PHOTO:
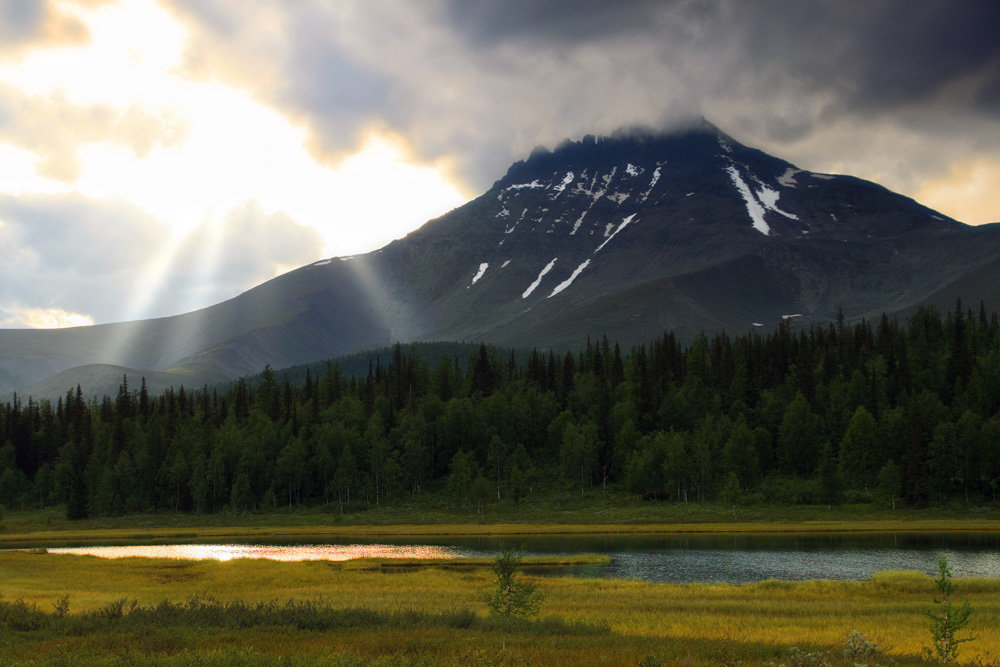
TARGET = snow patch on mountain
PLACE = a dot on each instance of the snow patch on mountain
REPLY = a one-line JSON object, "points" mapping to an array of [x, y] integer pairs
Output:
{"points": [[769, 199], [622, 226], [504, 265], [754, 208], [324, 262], [582, 189], [823, 177], [652, 182], [538, 280], [607, 178], [569, 281], [525, 186], [619, 197], [479, 274], [595, 194], [510, 229], [631, 170], [567, 179], [788, 178]]}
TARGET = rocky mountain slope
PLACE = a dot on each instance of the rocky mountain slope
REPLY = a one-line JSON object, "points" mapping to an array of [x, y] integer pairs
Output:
{"points": [[626, 235]]}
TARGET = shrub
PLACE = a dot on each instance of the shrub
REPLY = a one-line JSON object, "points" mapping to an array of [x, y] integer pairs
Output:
{"points": [[61, 607], [858, 647], [948, 621], [512, 598]]}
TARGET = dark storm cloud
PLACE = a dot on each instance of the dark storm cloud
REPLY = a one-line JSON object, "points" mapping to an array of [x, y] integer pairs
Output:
{"points": [[329, 81], [555, 21], [882, 55], [900, 91], [876, 55]]}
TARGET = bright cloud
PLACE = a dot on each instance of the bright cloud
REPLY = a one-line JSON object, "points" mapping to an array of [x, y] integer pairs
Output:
{"points": [[122, 121], [968, 192], [42, 318], [214, 147]]}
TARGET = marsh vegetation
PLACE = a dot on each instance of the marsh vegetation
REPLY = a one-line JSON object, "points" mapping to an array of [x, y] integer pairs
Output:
{"points": [[358, 612]]}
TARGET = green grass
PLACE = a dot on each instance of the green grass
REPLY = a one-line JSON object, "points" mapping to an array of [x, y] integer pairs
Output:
{"points": [[358, 613], [569, 513]]}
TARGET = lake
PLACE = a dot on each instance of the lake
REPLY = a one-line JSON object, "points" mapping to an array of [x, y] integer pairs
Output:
{"points": [[658, 558]]}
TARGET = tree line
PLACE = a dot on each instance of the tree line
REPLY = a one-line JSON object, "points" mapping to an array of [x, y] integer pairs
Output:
{"points": [[901, 412]]}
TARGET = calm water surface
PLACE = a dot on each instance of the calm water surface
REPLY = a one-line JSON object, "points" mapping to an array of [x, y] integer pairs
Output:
{"points": [[664, 558], [336, 552]]}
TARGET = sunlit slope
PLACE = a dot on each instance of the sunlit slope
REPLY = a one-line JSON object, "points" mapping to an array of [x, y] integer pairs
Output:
{"points": [[627, 236], [298, 317]]}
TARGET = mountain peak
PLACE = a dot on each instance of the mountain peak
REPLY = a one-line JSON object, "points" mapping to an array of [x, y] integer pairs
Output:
{"points": [[635, 142], [674, 129], [627, 234]]}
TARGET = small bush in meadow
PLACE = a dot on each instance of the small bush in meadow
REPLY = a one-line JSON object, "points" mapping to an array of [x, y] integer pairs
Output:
{"points": [[859, 647], [512, 597], [948, 621]]}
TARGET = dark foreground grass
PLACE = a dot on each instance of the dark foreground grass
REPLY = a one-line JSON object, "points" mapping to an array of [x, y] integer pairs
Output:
{"points": [[299, 632], [314, 615]]}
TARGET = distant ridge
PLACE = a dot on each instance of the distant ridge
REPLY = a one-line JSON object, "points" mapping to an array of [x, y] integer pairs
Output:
{"points": [[626, 235]]}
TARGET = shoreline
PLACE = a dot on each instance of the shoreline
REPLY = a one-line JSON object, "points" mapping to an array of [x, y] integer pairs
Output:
{"points": [[341, 532]]}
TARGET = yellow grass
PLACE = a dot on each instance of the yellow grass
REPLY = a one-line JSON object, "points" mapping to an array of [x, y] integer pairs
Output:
{"points": [[642, 617]]}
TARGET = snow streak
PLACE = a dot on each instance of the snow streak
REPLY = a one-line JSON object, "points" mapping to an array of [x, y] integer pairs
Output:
{"points": [[652, 182], [479, 274], [622, 226], [538, 280], [521, 186], [569, 281], [754, 208]]}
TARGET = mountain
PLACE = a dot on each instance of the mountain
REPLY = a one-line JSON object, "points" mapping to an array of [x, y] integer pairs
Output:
{"points": [[626, 235]]}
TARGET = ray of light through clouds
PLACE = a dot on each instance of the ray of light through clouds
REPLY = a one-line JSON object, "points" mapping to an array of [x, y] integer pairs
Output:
{"points": [[205, 162], [162, 155]]}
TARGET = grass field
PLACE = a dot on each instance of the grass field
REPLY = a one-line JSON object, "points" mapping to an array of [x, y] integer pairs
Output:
{"points": [[429, 613], [555, 515], [373, 613]]}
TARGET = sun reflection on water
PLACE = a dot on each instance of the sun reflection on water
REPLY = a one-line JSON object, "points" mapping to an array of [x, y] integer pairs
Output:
{"points": [[331, 552]]}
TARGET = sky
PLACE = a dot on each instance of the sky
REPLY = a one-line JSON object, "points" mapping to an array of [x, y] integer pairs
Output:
{"points": [[158, 156]]}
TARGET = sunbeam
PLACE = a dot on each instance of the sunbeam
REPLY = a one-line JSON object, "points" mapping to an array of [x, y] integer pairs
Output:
{"points": [[189, 152]]}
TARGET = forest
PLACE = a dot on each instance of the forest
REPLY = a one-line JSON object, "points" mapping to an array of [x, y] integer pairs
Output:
{"points": [[900, 413]]}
